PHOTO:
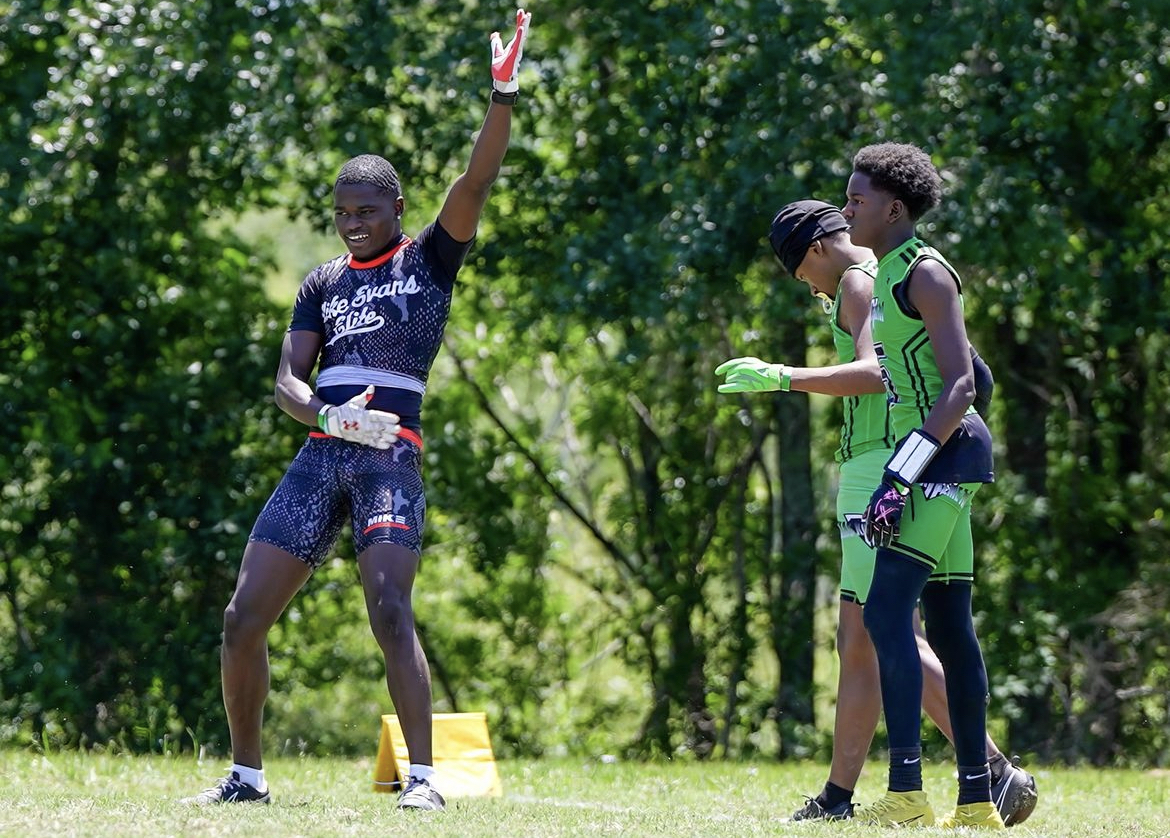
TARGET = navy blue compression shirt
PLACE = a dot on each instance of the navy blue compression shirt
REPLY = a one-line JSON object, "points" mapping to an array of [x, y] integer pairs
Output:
{"points": [[382, 321]]}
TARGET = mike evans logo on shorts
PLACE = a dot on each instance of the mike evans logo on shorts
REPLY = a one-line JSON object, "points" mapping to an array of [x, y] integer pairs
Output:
{"points": [[378, 522], [356, 315], [953, 491]]}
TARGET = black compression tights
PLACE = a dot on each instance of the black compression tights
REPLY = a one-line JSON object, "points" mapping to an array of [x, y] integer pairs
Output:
{"points": [[889, 618], [898, 584], [947, 613]]}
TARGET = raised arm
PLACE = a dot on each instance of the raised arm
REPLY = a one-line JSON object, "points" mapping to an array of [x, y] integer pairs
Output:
{"points": [[468, 194]]}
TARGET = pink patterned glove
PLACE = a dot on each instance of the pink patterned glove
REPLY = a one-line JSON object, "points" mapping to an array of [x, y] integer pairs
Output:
{"points": [[882, 517]]}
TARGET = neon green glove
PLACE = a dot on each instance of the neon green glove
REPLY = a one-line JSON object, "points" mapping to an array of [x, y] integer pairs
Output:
{"points": [[746, 375]]}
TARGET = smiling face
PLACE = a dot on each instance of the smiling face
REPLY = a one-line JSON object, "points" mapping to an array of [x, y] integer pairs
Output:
{"points": [[366, 217]]}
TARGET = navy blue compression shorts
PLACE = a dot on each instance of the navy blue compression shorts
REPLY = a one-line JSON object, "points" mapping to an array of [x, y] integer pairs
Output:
{"points": [[381, 492]]}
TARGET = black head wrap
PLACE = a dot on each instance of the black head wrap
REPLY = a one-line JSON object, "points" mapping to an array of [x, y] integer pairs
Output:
{"points": [[800, 224]]}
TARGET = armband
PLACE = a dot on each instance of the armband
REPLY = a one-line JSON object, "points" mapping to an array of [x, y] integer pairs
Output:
{"points": [[911, 458]]}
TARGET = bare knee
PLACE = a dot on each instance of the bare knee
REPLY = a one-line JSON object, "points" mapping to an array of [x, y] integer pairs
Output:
{"points": [[854, 647], [392, 618], [242, 628]]}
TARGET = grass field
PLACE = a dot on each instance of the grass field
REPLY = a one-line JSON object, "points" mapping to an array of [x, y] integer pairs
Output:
{"points": [[69, 794]]}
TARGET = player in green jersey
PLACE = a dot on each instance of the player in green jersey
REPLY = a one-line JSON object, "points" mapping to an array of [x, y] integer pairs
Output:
{"points": [[919, 517], [811, 240]]}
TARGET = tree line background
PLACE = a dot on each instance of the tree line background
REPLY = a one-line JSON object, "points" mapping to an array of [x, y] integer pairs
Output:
{"points": [[619, 559]]}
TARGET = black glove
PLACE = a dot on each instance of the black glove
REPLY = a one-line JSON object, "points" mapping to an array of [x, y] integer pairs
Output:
{"points": [[883, 515]]}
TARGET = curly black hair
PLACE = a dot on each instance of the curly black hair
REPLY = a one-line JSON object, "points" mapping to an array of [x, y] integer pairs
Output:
{"points": [[372, 169], [904, 171]]}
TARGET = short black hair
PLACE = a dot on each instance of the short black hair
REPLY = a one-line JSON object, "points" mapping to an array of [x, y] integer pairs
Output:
{"points": [[903, 170], [372, 169]]}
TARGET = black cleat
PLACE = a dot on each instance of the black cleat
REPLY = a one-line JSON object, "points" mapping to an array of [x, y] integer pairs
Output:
{"points": [[229, 790], [1015, 793], [813, 811]]}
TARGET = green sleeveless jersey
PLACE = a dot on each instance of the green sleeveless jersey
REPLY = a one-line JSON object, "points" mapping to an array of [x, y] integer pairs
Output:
{"points": [[866, 424], [909, 369]]}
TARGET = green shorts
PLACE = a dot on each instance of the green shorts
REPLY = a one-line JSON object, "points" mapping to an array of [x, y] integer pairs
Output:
{"points": [[859, 476], [935, 532]]}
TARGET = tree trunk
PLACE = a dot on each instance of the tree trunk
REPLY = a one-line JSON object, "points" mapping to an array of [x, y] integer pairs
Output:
{"points": [[795, 565]]}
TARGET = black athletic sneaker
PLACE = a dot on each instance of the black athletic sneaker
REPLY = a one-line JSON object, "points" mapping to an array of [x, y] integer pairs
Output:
{"points": [[229, 790], [1015, 794], [813, 810]]}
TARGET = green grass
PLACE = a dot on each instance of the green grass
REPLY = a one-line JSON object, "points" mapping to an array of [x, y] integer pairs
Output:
{"points": [[70, 794]]}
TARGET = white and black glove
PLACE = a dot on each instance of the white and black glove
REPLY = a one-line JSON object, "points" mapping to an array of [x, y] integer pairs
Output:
{"points": [[506, 60], [353, 422]]}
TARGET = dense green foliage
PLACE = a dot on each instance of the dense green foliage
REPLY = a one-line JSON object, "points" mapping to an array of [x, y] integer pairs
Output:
{"points": [[619, 558]]}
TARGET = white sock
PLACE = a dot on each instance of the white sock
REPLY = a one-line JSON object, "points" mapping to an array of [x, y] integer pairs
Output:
{"points": [[252, 776], [423, 772]]}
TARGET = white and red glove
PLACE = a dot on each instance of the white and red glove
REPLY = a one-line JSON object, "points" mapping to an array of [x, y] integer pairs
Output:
{"points": [[353, 422], [506, 59]]}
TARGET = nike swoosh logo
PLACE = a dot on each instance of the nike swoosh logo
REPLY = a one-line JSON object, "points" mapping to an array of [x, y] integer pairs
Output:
{"points": [[977, 776], [912, 761], [910, 820]]}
